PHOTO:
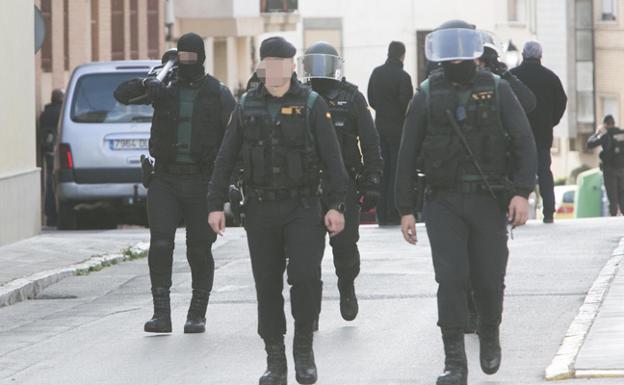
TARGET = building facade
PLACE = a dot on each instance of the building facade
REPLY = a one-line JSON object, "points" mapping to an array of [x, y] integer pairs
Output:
{"points": [[83, 31], [19, 176]]}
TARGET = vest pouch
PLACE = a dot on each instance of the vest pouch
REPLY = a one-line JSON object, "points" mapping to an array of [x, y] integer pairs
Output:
{"points": [[295, 166], [293, 131], [441, 156], [258, 166]]}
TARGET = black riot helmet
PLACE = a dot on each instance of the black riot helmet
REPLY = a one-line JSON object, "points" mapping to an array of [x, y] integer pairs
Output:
{"points": [[320, 61], [455, 40]]}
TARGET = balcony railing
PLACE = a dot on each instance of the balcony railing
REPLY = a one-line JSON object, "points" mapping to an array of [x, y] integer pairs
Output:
{"points": [[280, 6]]}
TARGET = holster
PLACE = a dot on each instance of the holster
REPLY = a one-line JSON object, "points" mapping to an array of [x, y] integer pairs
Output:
{"points": [[235, 197], [147, 171], [420, 189]]}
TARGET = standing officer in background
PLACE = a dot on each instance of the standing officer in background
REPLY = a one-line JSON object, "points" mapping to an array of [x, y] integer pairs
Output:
{"points": [[191, 112], [611, 138], [48, 121], [466, 130], [389, 93], [551, 104], [286, 137], [322, 67]]}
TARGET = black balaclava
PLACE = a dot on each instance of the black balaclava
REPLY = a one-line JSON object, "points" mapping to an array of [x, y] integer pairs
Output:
{"points": [[461, 73], [191, 42]]}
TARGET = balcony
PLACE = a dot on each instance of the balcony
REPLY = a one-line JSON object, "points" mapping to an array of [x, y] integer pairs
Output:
{"points": [[279, 15]]}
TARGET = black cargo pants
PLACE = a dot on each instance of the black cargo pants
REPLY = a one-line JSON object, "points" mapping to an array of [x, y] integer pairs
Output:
{"points": [[171, 198], [468, 237], [344, 245], [286, 235]]}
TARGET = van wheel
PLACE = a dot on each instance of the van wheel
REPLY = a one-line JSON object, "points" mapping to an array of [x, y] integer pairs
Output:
{"points": [[67, 216]]}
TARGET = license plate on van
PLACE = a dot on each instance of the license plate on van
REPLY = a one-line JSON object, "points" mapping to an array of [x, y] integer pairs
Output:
{"points": [[129, 144]]}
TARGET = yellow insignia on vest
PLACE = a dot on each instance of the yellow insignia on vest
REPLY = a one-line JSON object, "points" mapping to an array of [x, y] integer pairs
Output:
{"points": [[484, 95], [287, 110], [328, 115]]}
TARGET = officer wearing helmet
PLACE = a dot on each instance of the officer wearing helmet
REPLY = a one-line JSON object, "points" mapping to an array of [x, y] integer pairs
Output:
{"points": [[467, 132], [322, 67], [490, 61]]}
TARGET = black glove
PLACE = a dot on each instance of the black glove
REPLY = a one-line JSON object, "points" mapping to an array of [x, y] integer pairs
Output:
{"points": [[369, 187], [370, 199], [152, 86], [499, 68]]}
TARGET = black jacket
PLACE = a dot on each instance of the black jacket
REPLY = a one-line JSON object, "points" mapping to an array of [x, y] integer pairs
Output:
{"points": [[327, 148], [213, 106], [608, 143], [389, 93], [551, 100], [523, 152]]}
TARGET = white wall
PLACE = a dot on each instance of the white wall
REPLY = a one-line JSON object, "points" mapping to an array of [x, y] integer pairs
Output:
{"points": [[370, 25], [19, 176]]}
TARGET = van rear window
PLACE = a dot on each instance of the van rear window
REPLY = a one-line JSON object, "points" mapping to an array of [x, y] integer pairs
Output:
{"points": [[93, 100]]}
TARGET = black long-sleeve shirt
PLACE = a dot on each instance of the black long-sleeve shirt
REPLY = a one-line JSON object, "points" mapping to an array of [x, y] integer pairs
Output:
{"points": [[525, 96], [524, 153], [369, 138], [335, 180]]}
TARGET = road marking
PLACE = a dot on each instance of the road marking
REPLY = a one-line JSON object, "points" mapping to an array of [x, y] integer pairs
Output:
{"points": [[562, 365]]}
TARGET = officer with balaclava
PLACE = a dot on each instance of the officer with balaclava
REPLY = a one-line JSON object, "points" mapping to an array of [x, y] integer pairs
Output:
{"points": [[191, 112], [467, 132], [284, 132], [322, 67]]}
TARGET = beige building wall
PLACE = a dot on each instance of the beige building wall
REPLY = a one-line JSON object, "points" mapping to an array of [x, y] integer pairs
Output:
{"points": [[19, 176]]}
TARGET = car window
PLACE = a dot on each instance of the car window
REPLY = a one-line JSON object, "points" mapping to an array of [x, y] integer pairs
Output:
{"points": [[568, 197], [93, 100]]}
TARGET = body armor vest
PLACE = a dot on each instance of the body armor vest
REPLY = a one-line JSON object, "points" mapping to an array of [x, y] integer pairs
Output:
{"points": [[279, 154], [444, 159], [341, 102], [616, 148]]}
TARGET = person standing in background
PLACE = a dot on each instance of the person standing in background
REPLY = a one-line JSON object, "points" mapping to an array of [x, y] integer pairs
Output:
{"points": [[551, 104], [389, 93], [48, 121], [611, 138]]}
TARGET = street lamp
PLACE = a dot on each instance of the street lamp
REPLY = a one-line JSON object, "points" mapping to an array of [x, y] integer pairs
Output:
{"points": [[511, 57]]}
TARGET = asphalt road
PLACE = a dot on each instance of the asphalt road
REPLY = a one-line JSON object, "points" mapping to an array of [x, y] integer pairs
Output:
{"points": [[88, 329]]}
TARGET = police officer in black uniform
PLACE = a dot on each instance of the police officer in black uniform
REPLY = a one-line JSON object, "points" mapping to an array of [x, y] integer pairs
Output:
{"points": [[321, 66], [467, 131], [611, 138], [284, 131], [191, 111], [490, 61]]}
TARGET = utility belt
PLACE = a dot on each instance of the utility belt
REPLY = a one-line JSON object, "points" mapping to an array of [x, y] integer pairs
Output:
{"points": [[179, 169], [270, 195], [476, 185]]}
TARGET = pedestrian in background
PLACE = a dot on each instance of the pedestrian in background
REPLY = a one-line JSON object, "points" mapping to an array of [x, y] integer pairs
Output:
{"points": [[551, 104], [389, 93], [47, 134], [611, 138]]}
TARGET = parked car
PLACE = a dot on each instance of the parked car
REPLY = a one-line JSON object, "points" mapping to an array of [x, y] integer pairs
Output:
{"points": [[564, 201], [100, 141]]}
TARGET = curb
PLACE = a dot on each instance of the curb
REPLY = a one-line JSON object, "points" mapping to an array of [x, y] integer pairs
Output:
{"points": [[562, 365], [30, 287]]}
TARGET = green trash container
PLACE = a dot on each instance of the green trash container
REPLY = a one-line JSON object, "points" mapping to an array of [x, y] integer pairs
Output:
{"points": [[588, 200]]}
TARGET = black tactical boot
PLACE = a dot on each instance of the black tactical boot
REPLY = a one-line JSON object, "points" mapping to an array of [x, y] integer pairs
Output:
{"points": [[348, 301], [161, 320], [277, 372], [455, 364], [305, 368], [196, 317], [490, 349]]}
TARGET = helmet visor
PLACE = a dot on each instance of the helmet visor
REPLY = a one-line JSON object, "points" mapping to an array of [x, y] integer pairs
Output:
{"points": [[453, 44], [320, 66]]}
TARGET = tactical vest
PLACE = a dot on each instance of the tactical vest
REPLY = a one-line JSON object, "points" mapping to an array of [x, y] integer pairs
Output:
{"points": [[206, 125], [616, 148], [341, 102], [444, 158], [279, 154]]}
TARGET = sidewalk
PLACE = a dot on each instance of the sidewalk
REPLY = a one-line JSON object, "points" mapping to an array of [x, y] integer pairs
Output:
{"points": [[30, 265], [594, 344]]}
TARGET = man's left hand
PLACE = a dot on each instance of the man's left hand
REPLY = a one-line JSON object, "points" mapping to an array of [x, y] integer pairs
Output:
{"points": [[334, 222]]}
